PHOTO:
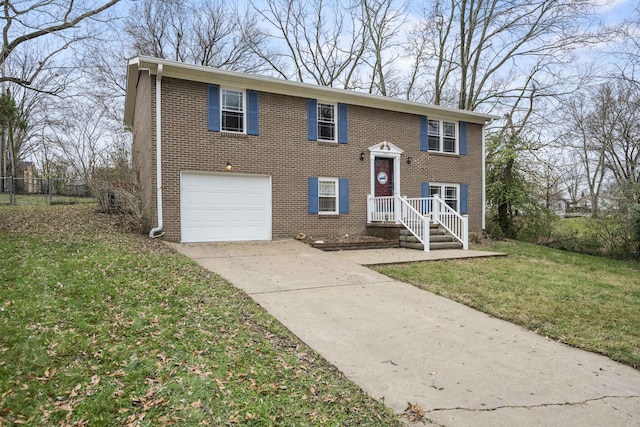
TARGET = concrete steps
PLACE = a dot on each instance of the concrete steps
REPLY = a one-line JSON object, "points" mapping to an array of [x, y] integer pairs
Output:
{"points": [[439, 239]]}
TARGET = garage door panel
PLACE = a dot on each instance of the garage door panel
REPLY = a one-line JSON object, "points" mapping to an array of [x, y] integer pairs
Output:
{"points": [[225, 208]]}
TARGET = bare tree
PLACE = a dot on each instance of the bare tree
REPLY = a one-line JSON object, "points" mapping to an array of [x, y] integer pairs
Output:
{"points": [[382, 23], [319, 41], [604, 131], [630, 51], [204, 33], [82, 136], [592, 156], [492, 49], [617, 111], [53, 23]]}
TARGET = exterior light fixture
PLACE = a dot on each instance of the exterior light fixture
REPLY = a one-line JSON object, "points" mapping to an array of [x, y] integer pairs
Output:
{"points": [[362, 156], [229, 167], [409, 160]]}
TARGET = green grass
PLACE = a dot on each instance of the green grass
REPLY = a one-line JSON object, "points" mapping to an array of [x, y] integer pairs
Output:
{"points": [[577, 226], [99, 327], [584, 301]]}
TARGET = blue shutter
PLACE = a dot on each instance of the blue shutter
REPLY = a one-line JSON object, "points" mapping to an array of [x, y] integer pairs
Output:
{"points": [[313, 195], [343, 123], [253, 118], [464, 199], [312, 120], [463, 138], [424, 134], [426, 192], [214, 108], [343, 190]]}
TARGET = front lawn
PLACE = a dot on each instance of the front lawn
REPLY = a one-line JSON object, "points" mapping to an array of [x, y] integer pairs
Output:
{"points": [[584, 301], [100, 327]]}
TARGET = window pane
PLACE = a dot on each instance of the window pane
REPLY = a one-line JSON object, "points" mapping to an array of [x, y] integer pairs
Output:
{"points": [[325, 112], [231, 100], [327, 204], [232, 121], [449, 145], [434, 127], [327, 188], [434, 143], [326, 131], [450, 192], [434, 191], [449, 129], [451, 197]]}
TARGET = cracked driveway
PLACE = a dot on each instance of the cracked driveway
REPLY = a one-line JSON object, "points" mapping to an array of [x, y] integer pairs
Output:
{"points": [[401, 344]]}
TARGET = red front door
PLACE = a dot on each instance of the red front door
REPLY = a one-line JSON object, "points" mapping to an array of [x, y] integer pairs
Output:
{"points": [[383, 177]]}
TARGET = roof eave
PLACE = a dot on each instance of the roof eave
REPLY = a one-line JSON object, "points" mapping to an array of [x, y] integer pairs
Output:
{"points": [[286, 87]]}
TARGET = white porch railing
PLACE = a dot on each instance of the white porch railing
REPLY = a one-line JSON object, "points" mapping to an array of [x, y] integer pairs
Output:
{"points": [[381, 209], [432, 209], [452, 221], [414, 221]]}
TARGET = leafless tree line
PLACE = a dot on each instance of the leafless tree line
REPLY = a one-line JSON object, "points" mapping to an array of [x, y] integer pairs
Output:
{"points": [[517, 59]]}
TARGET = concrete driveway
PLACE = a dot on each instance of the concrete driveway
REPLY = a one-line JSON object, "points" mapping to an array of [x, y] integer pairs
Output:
{"points": [[401, 344]]}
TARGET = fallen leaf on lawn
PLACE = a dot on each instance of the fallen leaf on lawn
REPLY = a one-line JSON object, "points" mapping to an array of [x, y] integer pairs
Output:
{"points": [[75, 391], [95, 380]]}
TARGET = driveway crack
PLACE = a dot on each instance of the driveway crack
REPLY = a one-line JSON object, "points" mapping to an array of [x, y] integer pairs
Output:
{"points": [[541, 405]]}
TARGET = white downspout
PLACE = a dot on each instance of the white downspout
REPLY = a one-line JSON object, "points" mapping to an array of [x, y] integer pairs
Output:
{"points": [[154, 231]]}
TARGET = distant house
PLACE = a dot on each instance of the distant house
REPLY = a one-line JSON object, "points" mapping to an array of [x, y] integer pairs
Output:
{"points": [[579, 207], [27, 179], [225, 156]]}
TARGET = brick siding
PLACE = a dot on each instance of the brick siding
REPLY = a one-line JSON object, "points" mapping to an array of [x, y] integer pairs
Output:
{"points": [[283, 152]]}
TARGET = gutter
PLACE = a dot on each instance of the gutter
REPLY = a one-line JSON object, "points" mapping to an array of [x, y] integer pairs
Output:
{"points": [[157, 231]]}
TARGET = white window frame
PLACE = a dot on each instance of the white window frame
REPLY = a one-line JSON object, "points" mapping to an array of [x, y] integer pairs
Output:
{"points": [[441, 136], [244, 109], [336, 184], [442, 192], [334, 122]]}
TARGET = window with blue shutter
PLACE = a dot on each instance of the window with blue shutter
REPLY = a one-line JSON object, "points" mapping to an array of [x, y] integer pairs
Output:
{"points": [[214, 108], [312, 120], [343, 124], [313, 195], [253, 116], [343, 193], [328, 196], [464, 199], [463, 138], [424, 134]]}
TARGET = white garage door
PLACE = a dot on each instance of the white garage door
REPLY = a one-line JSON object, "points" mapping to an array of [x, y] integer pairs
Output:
{"points": [[220, 208]]}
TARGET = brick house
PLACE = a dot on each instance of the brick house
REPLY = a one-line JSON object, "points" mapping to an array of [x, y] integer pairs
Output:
{"points": [[225, 156]]}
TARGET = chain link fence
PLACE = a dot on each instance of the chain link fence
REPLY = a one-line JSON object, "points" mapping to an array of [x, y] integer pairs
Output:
{"points": [[42, 191]]}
